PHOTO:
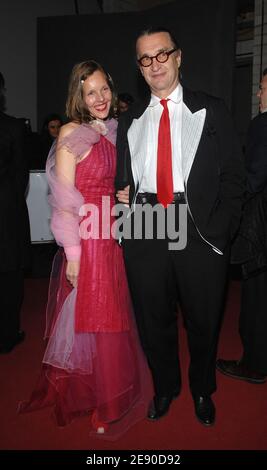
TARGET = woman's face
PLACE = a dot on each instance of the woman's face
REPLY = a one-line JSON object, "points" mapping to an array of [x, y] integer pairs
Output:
{"points": [[53, 128], [97, 95]]}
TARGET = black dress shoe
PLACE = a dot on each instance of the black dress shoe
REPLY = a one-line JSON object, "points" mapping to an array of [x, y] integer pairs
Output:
{"points": [[238, 370], [7, 348], [160, 405], [204, 409]]}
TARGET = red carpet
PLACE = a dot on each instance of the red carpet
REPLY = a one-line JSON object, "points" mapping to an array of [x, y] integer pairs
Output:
{"points": [[241, 407]]}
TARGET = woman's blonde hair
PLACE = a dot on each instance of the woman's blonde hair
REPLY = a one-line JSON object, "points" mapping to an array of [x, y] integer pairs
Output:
{"points": [[76, 109]]}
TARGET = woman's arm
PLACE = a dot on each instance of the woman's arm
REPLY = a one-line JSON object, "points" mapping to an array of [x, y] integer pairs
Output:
{"points": [[66, 167], [65, 160]]}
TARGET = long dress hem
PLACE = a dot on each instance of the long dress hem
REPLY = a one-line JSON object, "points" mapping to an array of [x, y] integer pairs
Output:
{"points": [[93, 363]]}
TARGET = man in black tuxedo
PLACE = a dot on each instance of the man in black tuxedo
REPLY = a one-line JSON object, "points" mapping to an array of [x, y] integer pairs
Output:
{"points": [[250, 250], [14, 225], [207, 181]]}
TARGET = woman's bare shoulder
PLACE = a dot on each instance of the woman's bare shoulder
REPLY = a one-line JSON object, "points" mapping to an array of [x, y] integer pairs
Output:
{"points": [[67, 129]]}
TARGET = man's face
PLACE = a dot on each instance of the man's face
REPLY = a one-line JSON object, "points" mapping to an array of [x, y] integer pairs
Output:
{"points": [[262, 94], [162, 78]]}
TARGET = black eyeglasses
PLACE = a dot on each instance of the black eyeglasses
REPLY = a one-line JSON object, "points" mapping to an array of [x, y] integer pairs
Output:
{"points": [[161, 57]]}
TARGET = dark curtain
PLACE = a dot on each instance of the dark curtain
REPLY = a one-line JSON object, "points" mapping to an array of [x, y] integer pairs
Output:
{"points": [[205, 30]]}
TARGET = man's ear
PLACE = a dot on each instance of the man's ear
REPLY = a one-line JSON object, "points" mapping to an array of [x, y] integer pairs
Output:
{"points": [[179, 58]]}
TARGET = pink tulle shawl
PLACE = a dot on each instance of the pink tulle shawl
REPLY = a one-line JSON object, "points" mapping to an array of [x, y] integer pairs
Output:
{"points": [[65, 199]]}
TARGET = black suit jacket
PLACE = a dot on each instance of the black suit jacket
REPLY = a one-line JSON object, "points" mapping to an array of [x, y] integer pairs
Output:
{"points": [[216, 183], [14, 220], [250, 247], [256, 154]]}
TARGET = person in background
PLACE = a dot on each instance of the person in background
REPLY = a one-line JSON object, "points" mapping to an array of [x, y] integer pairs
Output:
{"points": [[250, 251], [39, 145], [125, 100], [50, 131], [93, 364], [14, 225], [177, 150]]}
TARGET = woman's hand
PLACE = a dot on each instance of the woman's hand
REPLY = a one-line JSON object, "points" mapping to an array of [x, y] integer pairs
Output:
{"points": [[123, 195], [72, 272]]}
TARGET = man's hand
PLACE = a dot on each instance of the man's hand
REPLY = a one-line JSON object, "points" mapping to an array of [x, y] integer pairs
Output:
{"points": [[123, 195], [72, 272]]}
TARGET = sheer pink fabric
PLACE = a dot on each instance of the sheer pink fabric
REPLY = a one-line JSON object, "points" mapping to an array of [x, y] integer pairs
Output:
{"points": [[66, 202], [93, 363], [65, 199]]}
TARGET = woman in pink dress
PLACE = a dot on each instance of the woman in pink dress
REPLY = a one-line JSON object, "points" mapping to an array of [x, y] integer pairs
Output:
{"points": [[93, 364]]}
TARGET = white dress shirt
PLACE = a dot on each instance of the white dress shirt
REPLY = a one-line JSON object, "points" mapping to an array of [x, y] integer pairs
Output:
{"points": [[149, 141]]}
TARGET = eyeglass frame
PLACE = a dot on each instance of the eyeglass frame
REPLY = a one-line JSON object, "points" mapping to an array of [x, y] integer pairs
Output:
{"points": [[168, 53]]}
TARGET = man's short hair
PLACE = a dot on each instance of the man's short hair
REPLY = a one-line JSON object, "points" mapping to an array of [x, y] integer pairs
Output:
{"points": [[158, 29]]}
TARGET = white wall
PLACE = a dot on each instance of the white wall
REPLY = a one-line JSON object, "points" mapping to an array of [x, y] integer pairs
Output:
{"points": [[18, 48]]}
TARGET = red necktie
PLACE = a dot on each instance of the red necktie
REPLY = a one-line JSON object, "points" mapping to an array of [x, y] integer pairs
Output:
{"points": [[164, 162]]}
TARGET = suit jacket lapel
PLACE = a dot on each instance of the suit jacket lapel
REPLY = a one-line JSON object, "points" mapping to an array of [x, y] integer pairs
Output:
{"points": [[135, 137], [193, 119]]}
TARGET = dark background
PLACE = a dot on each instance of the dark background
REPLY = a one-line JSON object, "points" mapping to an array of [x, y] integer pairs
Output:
{"points": [[205, 30]]}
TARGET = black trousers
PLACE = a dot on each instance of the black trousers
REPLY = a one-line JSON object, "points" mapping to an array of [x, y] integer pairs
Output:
{"points": [[196, 277], [253, 322], [11, 297]]}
